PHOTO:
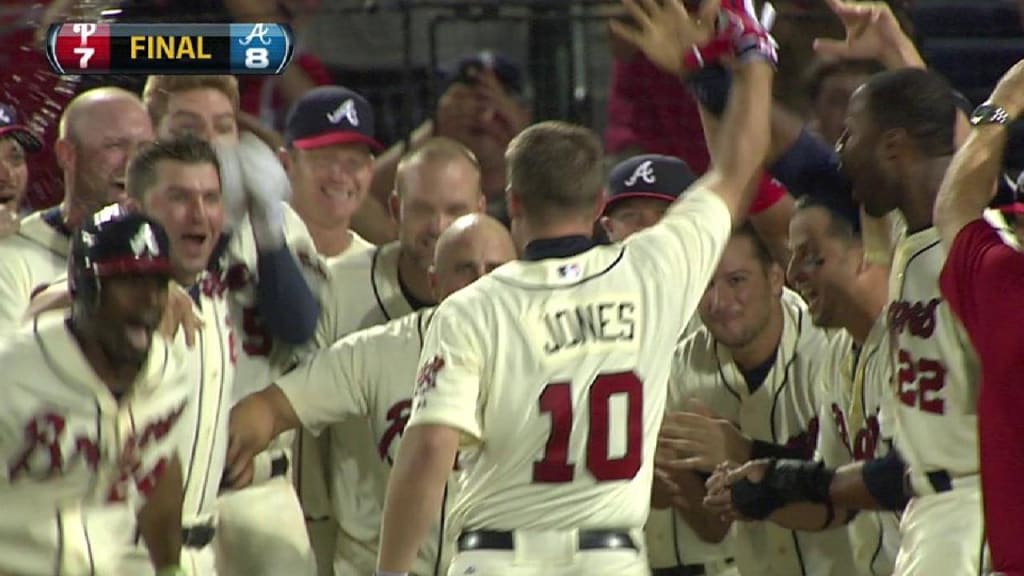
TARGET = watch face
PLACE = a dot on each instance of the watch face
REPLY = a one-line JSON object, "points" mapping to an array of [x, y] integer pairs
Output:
{"points": [[988, 114]]}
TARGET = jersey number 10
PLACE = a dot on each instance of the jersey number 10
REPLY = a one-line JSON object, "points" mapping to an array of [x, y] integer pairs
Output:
{"points": [[556, 399]]}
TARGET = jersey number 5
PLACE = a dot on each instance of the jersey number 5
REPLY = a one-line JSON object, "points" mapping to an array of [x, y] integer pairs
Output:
{"points": [[556, 399]]}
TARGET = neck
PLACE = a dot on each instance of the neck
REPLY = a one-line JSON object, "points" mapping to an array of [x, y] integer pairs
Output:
{"points": [[330, 241], [869, 299], [118, 376], [922, 186], [764, 345], [528, 232], [414, 278]]}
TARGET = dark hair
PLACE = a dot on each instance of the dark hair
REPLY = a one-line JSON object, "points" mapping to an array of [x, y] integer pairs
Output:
{"points": [[188, 149], [761, 251], [840, 225], [917, 101], [824, 69]]}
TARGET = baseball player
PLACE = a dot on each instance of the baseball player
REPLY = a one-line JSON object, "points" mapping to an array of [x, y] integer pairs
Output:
{"points": [[436, 184], [369, 374], [177, 183], [265, 239], [98, 444], [756, 363], [934, 368], [99, 131], [550, 373], [847, 294], [16, 140], [640, 190]]}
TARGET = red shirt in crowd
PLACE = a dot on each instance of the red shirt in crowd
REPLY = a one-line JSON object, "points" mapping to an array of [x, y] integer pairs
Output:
{"points": [[653, 111], [983, 281]]}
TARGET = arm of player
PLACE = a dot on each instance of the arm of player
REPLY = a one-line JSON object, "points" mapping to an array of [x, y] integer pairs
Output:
{"points": [[160, 518], [255, 421], [806, 495], [425, 460], [709, 526], [971, 178]]}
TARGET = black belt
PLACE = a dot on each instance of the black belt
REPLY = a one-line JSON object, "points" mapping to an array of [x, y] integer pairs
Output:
{"points": [[684, 570], [588, 540], [279, 466], [940, 480], [197, 536]]}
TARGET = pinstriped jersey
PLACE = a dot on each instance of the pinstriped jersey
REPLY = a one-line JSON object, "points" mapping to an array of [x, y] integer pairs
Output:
{"points": [[78, 463], [369, 374], [29, 260], [555, 373]]}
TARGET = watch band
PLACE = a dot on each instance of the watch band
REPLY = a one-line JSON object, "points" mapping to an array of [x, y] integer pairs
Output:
{"points": [[989, 114]]}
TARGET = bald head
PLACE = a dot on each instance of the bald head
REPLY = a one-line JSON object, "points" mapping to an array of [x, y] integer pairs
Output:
{"points": [[471, 247], [99, 133], [96, 105]]}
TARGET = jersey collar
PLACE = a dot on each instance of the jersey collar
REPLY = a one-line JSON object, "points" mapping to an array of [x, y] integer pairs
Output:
{"points": [[561, 247]]}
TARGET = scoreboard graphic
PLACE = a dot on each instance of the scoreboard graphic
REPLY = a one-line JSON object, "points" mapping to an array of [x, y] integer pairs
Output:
{"points": [[78, 48]]}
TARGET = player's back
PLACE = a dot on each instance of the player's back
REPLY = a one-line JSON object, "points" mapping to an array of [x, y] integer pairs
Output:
{"points": [[573, 359]]}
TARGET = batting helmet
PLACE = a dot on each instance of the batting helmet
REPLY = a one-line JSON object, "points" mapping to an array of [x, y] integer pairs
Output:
{"points": [[113, 242]]}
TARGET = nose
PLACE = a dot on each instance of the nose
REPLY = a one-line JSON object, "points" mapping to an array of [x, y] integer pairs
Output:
{"points": [[795, 273], [197, 209]]}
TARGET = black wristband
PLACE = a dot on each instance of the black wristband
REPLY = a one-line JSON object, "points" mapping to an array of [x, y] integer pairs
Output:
{"points": [[800, 480], [830, 515], [756, 501]]}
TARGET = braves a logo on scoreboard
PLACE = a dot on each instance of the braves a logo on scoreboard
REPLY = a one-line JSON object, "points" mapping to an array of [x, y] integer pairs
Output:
{"points": [[260, 48]]}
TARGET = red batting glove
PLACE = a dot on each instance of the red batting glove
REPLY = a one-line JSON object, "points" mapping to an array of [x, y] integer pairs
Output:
{"points": [[738, 34]]}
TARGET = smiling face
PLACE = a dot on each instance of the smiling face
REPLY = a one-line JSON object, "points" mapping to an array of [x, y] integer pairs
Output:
{"points": [[432, 195], [737, 305], [126, 315], [105, 137], [13, 174], [632, 215], [206, 113], [824, 266], [185, 198], [863, 164], [330, 183]]}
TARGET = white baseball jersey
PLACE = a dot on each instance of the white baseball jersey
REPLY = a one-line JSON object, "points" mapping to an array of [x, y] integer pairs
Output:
{"points": [[29, 260], [77, 463], [363, 291], [782, 410], [370, 374], [855, 426], [555, 372], [935, 370]]}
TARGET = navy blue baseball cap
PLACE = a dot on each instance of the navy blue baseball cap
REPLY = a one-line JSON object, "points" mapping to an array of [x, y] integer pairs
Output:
{"points": [[648, 176], [330, 115], [10, 126], [506, 71]]}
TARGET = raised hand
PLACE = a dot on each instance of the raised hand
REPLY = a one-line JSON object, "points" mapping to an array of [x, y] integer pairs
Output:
{"points": [[1009, 92], [665, 32], [872, 33]]}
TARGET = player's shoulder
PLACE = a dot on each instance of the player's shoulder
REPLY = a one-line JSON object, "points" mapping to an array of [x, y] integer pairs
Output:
{"points": [[698, 352], [399, 331], [556, 273]]}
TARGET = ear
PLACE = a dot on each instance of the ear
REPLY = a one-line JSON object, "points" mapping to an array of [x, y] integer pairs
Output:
{"points": [[893, 142], [64, 150], [606, 225], [777, 279], [132, 204], [432, 279], [286, 159], [515, 209], [395, 206]]}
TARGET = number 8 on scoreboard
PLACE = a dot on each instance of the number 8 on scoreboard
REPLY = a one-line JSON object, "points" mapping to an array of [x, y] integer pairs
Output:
{"points": [[259, 48]]}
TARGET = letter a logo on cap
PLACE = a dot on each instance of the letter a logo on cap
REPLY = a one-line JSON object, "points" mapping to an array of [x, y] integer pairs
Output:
{"points": [[144, 242], [645, 172], [346, 109]]}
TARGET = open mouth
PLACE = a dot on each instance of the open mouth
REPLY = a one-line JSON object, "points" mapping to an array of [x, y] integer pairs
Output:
{"points": [[6, 198], [194, 241], [138, 333], [339, 193]]}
